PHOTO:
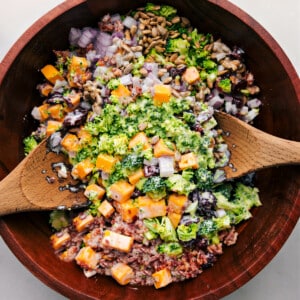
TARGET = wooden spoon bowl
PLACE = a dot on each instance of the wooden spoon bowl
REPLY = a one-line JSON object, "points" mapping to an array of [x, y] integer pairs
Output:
{"points": [[27, 234]]}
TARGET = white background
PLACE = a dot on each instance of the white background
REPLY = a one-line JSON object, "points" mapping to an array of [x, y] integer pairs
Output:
{"points": [[280, 280]]}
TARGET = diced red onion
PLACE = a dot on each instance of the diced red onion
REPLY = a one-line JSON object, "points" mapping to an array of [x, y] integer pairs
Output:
{"points": [[126, 79], [36, 113], [115, 17], [129, 22], [74, 36], [100, 71], [220, 213], [104, 175], [216, 102], [87, 36], [104, 39], [231, 108], [251, 115]]}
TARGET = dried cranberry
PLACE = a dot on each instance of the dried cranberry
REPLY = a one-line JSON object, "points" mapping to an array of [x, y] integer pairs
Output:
{"points": [[237, 53], [211, 259], [151, 171]]}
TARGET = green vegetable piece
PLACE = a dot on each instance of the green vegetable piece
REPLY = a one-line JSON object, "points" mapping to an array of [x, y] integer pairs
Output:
{"points": [[113, 84], [225, 85], [187, 232], [58, 219], [204, 179], [178, 184], [178, 45], [155, 187], [29, 144], [171, 249]]}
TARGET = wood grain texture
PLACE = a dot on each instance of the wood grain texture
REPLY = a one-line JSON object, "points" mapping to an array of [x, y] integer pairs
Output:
{"points": [[27, 234], [252, 149]]}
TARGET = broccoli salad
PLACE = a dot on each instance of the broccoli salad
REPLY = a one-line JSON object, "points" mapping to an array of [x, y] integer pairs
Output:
{"points": [[131, 105]]}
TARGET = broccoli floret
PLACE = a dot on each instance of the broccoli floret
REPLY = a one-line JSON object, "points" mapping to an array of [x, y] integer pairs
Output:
{"points": [[155, 187], [159, 58], [171, 249], [222, 222], [204, 179], [117, 174], [225, 85], [113, 84], [132, 162], [208, 229], [225, 189], [58, 219], [239, 208], [209, 64], [163, 227], [178, 45], [178, 105], [29, 144], [178, 184], [93, 208], [162, 10], [114, 145], [187, 232]]}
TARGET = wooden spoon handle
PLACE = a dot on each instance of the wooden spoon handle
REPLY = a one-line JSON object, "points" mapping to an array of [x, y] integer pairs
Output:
{"points": [[12, 198], [252, 149]]}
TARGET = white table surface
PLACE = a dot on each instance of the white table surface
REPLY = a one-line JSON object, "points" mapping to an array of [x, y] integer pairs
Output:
{"points": [[280, 280]]}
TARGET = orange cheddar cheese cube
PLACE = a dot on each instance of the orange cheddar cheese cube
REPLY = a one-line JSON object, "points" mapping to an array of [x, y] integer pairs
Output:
{"points": [[162, 278], [82, 169], [117, 241], [121, 191], [84, 136], [82, 221], [121, 91], [52, 126], [139, 138], [70, 142], [58, 239], [45, 89], [191, 75], [174, 218], [94, 191], [106, 209], [43, 112], [122, 273], [56, 111], [136, 176], [149, 208], [161, 149], [162, 93], [78, 64], [105, 162], [51, 74], [87, 258], [128, 211], [177, 203], [74, 99], [188, 161]]}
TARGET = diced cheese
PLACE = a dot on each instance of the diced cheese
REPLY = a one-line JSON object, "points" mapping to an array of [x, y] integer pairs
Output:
{"points": [[70, 142], [177, 203], [52, 126], [162, 278], [161, 149], [45, 89], [117, 241], [121, 91], [87, 258], [106, 209], [82, 221], [188, 161], [128, 210], [149, 208], [174, 218], [59, 239], [136, 176], [83, 135], [56, 112], [93, 191], [51, 73], [139, 138], [121, 191], [162, 93], [82, 169], [43, 112], [105, 162], [191, 75], [122, 273]]}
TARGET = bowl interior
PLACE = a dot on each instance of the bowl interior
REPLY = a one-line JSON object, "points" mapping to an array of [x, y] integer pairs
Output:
{"points": [[27, 234]]}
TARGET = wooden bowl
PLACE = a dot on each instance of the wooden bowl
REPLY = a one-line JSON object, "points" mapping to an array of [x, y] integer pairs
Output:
{"points": [[27, 234]]}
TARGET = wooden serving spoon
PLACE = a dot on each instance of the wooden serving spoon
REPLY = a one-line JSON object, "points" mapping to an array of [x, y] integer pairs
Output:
{"points": [[252, 149], [29, 186], [34, 185]]}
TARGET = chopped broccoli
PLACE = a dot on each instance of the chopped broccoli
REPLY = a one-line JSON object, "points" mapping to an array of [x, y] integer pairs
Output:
{"points": [[238, 209], [29, 144], [177, 183], [225, 85], [225, 189], [178, 45], [58, 219], [171, 249], [132, 162], [187, 232], [158, 57], [166, 11], [204, 179], [178, 105], [113, 144], [209, 64], [163, 227], [155, 187], [113, 84], [93, 208], [117, 174]]}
